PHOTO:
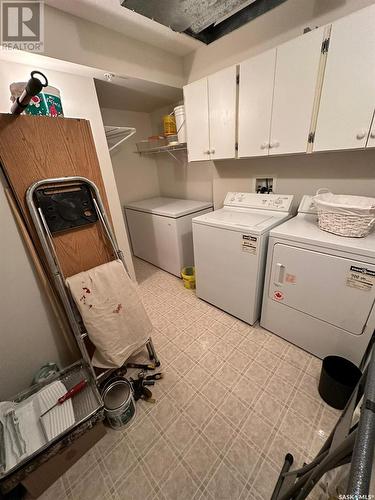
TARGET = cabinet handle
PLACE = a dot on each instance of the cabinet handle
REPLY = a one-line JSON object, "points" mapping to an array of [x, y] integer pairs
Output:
{"points": [[212, 151], [264, 145], [361, 134], [207, 152], [275, 144], [372, 135]]}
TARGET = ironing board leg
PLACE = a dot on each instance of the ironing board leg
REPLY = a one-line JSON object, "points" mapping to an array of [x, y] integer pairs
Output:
{"points": [[151, 352]]}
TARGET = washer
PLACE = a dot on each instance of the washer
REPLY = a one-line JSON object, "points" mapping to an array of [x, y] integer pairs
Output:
{"points": [[230, 247], [160, 230], [320, 288]]}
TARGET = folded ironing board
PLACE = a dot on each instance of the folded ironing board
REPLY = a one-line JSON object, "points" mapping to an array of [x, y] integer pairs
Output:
{"points": [[101, 303], [112, 311]]}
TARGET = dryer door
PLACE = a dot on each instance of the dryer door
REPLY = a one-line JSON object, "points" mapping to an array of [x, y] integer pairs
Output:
{"points": [[334, 289]]}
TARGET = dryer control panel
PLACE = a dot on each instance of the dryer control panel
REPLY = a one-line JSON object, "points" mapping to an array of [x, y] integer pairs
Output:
{"points": [[276, 202], [307, 205]]}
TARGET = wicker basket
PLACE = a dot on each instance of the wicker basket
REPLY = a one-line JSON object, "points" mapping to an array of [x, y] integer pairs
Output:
{"points": [[351, 216]]}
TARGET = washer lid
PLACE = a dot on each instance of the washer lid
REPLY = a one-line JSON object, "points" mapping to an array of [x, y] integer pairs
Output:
{"points": [[236, 219], [169, 207], [304, 228]]}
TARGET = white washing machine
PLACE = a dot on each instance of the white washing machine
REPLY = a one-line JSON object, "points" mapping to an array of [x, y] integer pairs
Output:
{"points": [[160, 230], [230, 247], [320, 288]]}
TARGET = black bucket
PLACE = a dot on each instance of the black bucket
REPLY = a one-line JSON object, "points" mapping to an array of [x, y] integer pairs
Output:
{"points": [[338, 378]]}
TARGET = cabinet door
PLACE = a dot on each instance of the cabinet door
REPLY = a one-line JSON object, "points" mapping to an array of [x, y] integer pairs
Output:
{"points": [[196, 115], [348, 94], [296, 74], [371, 138], [255, 104], [222, 92]]}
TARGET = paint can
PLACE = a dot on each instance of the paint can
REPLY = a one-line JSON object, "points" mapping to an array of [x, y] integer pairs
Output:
{"points": [[119, 403]]}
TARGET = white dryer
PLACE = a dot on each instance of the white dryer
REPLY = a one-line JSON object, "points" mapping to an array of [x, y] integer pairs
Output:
{"points": [[230, 247], [160, 230], [319, 290]]}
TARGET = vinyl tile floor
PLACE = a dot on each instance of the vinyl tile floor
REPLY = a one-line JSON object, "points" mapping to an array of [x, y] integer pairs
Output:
{"points": [[234, 400]]}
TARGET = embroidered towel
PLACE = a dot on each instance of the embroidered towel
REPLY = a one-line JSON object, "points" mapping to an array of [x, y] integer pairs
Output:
{"points": [[114, 316]]}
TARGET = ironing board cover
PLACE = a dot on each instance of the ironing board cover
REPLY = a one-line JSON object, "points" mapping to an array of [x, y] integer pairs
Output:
{"points": [[112, 311]]}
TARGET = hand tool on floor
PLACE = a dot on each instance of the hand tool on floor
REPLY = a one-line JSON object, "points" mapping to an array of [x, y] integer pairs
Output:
{"points": [[68, 395], [153, 376], [140, 391], [150, 366]]}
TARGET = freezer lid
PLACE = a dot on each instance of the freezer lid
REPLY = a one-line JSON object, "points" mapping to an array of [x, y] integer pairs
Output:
{"points": [[304, 229], [169, 207], [256, 221], [337, 290]]}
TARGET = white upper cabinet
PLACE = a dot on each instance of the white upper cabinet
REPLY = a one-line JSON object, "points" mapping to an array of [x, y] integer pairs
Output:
{"points": [[255, 104], [348, 94], [222, 95], [296, 75], [371, 138], [196, 116], [210, 110]]}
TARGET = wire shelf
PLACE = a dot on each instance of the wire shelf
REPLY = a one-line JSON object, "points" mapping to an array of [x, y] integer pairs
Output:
{"points": [[117, 135], [164, 149]]}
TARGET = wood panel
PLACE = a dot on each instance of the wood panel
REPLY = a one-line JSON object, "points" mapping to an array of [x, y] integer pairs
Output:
{"points": [[37, 147]]}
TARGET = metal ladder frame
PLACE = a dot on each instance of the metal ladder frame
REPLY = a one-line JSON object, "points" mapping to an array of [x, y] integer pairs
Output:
{"points": [[46, 240], [347, 443]]}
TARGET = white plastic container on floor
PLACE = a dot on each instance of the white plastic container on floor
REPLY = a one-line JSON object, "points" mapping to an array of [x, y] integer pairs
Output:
{"points": [[179, 113]]}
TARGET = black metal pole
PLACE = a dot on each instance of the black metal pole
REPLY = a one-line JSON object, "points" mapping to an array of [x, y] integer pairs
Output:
{"points": [[363, 452], [33, 87]]}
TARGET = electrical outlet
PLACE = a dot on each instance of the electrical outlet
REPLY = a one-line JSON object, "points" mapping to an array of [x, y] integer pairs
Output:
{"points": [[264, 184]]}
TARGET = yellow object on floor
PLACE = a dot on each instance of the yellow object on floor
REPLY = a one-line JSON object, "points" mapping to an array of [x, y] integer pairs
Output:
{"points": [[188, 276]]}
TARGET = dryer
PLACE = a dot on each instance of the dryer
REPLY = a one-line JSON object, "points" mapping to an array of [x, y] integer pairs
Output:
{"points": [[320, 288], [230, 247]]}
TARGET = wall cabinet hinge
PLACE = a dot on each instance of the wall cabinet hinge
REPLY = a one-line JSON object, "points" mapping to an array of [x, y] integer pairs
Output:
{"points": [[311, 137], [238, 79], [325, 46], [236, 146]]}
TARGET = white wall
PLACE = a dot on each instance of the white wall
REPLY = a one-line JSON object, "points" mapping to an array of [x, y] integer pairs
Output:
{"points": [[73, 39], [136, 175], [345, 172], [29, 334], [342, 172], [180, 179], [28, 330]]}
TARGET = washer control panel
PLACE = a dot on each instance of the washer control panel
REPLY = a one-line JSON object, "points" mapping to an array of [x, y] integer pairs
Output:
{"points": [[279, 202]]}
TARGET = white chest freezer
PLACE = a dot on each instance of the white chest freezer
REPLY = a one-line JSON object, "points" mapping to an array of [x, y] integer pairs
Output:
{"points": [[161, 230]]}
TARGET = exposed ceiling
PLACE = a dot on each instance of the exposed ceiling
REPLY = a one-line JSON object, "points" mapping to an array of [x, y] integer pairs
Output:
{"points": [[132, 94], [110, 14], [205, 20]]}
